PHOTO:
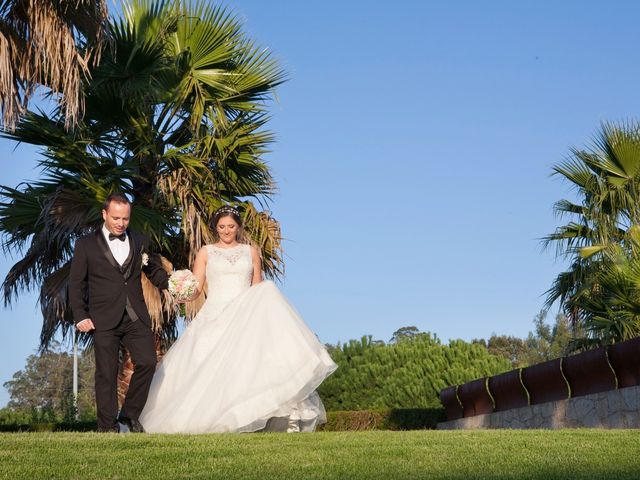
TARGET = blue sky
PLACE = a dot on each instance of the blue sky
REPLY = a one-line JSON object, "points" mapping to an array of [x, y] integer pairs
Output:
{"points": [[415, 141]]}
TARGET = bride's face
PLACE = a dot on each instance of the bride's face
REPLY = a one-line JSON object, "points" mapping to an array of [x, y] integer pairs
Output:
{"points": [[227, 229]]}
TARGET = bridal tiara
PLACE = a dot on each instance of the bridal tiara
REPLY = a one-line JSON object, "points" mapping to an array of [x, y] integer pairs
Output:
{"points": [[227, 209]]}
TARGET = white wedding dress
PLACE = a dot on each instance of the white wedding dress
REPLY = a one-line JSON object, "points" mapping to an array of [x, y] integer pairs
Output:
{"points": [[246, 362]]}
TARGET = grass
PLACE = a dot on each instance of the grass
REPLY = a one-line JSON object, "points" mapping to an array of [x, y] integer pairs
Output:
{"points": [[491, 454]]}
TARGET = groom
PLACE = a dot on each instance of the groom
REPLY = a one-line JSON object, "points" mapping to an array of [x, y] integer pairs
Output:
{"points": [[105, 293]]}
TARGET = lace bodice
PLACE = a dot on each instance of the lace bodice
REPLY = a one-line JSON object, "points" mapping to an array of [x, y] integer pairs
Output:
{"points": [[229, 273]]}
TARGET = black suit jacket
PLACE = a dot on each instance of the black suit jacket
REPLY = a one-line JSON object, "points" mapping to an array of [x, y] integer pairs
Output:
{"points": [[99, 287]]}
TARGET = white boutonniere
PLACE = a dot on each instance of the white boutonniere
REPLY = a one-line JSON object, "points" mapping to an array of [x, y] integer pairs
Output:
{"points": [[145, 259]]}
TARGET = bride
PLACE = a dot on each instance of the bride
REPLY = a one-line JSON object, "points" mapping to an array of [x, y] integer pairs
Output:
{"points": [[247, 361]]}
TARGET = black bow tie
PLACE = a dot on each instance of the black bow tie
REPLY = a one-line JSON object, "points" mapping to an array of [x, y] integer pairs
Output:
{"points": [[120, 237]]}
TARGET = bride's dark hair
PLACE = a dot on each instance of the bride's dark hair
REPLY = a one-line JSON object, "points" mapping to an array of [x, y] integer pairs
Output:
{"points": [[229, 211]]}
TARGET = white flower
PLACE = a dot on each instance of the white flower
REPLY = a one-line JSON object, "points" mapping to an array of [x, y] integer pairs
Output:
{"points": [[145, 259], [182, 285]]}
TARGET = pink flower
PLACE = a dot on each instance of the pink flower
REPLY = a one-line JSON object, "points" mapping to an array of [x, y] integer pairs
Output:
{"points": [[182, 284]]}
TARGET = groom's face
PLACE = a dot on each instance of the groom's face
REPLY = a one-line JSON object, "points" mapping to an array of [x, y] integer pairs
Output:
{"points": [[116, 217]]}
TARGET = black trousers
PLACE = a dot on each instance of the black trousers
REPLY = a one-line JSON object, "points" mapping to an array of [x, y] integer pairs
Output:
{"points": [[139, 340]]}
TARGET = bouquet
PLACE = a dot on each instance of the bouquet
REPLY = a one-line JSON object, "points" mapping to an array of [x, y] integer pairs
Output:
{"points": [[182, 285]]}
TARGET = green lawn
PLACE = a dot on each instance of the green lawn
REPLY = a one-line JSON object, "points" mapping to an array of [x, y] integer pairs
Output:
{"points": [[467, 455]]}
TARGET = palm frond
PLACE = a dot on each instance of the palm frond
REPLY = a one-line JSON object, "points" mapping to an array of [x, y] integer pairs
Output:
{"points": [[564, 207], [577, 172], [175, 118], [54, 304], [265, 234], [53, 44]]}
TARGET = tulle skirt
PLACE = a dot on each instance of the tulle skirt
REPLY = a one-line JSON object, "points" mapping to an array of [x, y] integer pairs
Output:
{"points": [[252, 365]]}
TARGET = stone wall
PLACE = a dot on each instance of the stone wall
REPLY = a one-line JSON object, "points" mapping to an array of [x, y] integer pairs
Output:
{"points": [[613, 409]]}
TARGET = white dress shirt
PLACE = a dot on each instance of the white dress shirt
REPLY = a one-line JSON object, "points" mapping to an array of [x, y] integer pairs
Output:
{"points": [[119, 249]]}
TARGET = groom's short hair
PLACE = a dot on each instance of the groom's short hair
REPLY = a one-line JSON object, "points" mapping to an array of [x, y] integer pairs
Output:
{"points": [[115, 197]]}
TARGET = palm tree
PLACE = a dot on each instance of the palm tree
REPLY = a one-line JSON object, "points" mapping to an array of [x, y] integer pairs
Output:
{"points": [[50, 43], [607, 180], [174, 117], [612, 313]]}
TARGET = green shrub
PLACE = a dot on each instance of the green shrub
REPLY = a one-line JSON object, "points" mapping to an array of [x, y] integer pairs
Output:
{"points": [[406, 374], [10, 416], [50, 427], [389, 419]]}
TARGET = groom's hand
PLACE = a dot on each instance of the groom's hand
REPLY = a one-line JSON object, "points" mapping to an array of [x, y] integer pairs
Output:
{"points": [[85, 325]]}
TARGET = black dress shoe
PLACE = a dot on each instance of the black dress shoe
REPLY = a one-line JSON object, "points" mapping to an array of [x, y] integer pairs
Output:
{"points": [[134, 426]]}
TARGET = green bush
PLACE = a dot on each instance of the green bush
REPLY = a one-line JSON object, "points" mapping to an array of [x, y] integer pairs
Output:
{"points": [[10, 416], [389, 419], [50, 427], [407, 374]]}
